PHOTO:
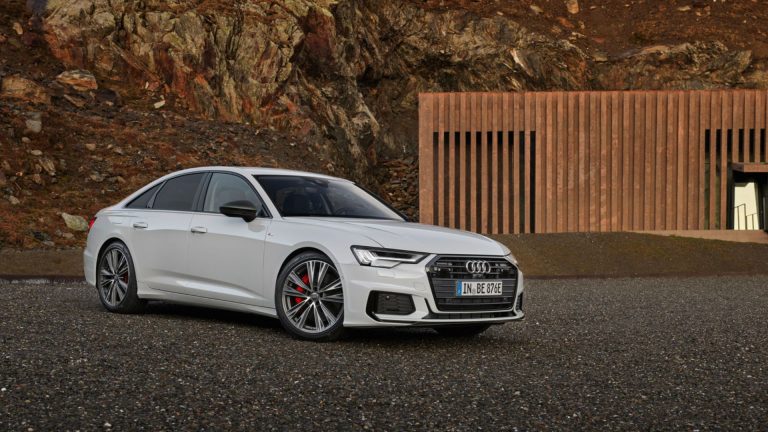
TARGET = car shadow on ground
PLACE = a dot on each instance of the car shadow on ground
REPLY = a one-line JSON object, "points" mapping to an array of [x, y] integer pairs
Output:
{"points": [[355, 336], [424, 335], [184, 312]]}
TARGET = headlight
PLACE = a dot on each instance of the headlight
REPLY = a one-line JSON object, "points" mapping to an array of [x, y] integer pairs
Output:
{"points": [[387, 258]]}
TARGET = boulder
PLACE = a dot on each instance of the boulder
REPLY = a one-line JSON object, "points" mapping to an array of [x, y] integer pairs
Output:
{"points": [[34, 122], [17, 87], [75, 223], [48, 166], [80, 80], [572, 6]]}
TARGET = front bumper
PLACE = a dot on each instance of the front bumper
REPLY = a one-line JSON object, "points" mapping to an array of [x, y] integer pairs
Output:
{"points": [[412, 280]]}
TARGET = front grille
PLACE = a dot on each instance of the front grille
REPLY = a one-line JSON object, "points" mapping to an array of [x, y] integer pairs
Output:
{"points": [[446, 271]]}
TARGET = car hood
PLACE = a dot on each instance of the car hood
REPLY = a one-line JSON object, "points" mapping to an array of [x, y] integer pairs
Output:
{"points": [[416, 237]]}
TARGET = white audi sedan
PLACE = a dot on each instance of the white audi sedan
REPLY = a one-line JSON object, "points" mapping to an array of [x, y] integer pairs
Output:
{"points": [[320, 253]]}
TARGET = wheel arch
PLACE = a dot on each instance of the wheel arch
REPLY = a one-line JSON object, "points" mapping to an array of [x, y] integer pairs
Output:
{"points": [[104, 246], [298, 252]]}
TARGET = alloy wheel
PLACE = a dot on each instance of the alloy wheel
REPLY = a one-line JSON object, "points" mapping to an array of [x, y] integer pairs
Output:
{"points": [[312, 296], [115, 275]]}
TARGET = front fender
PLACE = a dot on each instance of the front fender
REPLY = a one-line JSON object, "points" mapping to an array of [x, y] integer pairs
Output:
{"points": [[285, 238]]}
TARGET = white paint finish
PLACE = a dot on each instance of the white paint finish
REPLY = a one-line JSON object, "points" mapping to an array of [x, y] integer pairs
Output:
{"points": [[233, 264], [225, 261], [160, 250]]}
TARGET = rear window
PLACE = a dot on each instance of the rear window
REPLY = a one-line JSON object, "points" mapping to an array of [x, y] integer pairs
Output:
{"points": [[142, 201], [178, 193]]}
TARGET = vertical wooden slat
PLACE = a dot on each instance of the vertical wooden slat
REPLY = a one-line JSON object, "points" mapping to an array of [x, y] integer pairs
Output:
{"points": [[562, 168], [505, 168], [704, 125], [615, 177], [572, 147], [760, 122], [528, 118], [549, 201], [594, 161], [540, 176], [692, 193], [627, 152], [583, 178], [638, 159], [682, 158], [604, 202], [661, 160], [484, 186], [463, 154], [749, 123], [649, 183], [737, 124], [716, 125], [450, 126], [426, 166], [671, 179], [516, 187], [441, 159], [495, 107], [727, 110], [474, 100]]}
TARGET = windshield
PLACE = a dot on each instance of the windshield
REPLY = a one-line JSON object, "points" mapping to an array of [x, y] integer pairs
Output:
{"points": [[310, 196]]}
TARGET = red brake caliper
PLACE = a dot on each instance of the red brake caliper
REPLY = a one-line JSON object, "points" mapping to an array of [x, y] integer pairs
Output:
{"points": [[304, 279]]}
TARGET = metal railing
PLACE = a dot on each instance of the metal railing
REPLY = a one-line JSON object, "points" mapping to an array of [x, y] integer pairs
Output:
{"points": [[751, 221]]}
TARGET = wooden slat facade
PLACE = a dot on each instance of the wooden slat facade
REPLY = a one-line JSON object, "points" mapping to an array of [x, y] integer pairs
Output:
{"points": [[585, 161]]}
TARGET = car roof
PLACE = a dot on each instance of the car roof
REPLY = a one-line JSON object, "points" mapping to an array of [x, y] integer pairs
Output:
{"points": [[254, 171]]}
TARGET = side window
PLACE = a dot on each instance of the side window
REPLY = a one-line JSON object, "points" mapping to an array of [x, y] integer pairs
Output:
{"points": [[142, 201], [227, 188], [178, 193]]}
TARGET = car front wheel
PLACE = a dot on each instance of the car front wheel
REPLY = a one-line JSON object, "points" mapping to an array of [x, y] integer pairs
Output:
{"points": [[310, 299]]}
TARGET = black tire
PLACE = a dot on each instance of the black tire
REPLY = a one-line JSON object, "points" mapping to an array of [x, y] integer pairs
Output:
{"points": [[469, 330], [335, 330], [129, 302]]}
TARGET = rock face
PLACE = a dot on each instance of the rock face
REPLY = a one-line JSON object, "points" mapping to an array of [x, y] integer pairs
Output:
{"points": [[347, 73]]}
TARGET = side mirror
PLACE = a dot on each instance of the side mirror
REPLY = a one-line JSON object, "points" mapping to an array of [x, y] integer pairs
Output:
{"points": [[240, 209]]}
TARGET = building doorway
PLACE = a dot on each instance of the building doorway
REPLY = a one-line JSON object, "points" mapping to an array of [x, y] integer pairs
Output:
{"points": [[749, 197]]}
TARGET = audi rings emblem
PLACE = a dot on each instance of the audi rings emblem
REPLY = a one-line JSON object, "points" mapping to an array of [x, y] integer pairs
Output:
{"points": [[478, 267]]}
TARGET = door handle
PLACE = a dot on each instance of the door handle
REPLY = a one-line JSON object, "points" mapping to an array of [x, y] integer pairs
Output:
{"points": [[199, 230], [140, 225]]}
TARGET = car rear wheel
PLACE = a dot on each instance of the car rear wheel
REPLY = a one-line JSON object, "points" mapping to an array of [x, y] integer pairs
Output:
{"points": [[310, 299], [116, 280], [463, 331]]}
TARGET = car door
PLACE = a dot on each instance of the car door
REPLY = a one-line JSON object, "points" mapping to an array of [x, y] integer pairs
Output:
{"points": [[160, 233], [226, 254]]}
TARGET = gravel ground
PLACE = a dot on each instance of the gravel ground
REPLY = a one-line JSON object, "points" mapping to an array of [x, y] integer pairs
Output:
{"points": [[611, 353]]}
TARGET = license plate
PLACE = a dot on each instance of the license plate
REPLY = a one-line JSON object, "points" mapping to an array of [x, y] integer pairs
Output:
{"points": [[478, 288]]}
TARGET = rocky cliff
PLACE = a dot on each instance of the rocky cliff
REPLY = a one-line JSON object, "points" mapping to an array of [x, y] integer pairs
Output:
{"points": [[348, 71], [341, 78]]}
